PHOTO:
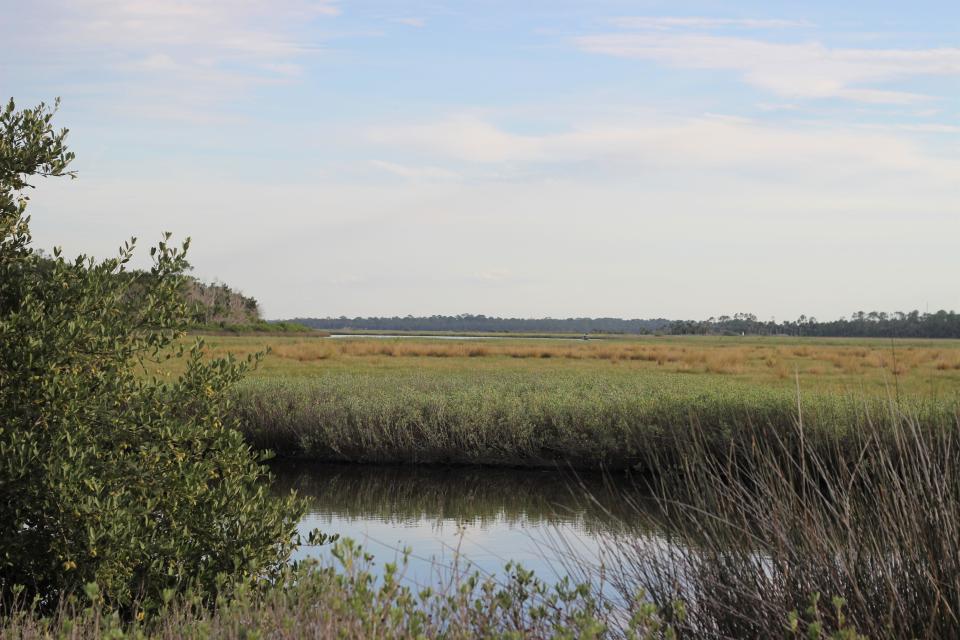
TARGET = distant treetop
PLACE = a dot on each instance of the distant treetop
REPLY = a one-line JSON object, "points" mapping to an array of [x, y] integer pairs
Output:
{"points": [[877, 324]]}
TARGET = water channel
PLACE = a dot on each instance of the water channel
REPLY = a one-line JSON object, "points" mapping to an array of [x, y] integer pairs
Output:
{"points": [[485, 516]]}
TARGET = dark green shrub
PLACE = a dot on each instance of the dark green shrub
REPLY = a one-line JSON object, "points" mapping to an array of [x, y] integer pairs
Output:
{"points": [[110, 474]]}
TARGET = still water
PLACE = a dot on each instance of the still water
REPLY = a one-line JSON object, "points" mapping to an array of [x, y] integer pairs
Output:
{"points": [[549, 521]]}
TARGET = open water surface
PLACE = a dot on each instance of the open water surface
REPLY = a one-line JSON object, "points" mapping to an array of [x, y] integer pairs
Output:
{"points": [[545, 520]]}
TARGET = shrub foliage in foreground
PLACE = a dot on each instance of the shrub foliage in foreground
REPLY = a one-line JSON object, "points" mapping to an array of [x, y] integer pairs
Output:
{"points": [[107, 475], [354, 599]]}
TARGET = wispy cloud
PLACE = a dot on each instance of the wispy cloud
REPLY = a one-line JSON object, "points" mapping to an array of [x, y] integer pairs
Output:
{"points": [[806, 70], [221, 28], [915, 127], [703, 143], [415, 172], [493, 275], [412, 22], [461, 137], [664, 23], [158, 53]]}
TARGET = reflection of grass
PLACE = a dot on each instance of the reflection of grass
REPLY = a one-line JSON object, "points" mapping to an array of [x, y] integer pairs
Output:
{"points": [[465, 494]]}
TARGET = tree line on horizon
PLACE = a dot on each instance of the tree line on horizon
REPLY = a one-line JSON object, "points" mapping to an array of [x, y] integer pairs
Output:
{"points": [[873, 324], [466, 322]]}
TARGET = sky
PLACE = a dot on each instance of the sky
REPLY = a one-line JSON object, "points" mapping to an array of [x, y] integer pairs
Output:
{"points": [[539, 158]]}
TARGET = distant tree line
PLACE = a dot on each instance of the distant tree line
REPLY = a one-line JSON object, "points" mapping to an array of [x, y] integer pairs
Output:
{"points": [[875, 324], [480, 323]]}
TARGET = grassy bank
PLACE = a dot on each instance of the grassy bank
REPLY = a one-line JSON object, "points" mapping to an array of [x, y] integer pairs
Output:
{"points": [[539, 403], [511, 418]]}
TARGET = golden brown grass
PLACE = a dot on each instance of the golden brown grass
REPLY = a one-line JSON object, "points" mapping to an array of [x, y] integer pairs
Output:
{"points": [[673, 356], [922, 365]]}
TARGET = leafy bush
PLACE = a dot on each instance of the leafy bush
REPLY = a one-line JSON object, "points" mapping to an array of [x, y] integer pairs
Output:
{"points": [[108, 474]]}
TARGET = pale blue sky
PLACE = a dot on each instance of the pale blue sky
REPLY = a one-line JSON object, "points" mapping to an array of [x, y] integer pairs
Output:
{"points": [[636, 159]]}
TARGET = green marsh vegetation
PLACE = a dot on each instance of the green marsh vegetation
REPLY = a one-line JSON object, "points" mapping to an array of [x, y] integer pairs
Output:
{"points": [[515, 419], [588, 404], [347, 599], [798, 504]]}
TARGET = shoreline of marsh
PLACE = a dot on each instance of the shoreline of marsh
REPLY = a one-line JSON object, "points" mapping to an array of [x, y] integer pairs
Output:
{"points": [[517, 420], [586, 405]]}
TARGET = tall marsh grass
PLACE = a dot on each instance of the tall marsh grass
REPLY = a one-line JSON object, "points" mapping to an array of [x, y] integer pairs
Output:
{"points": [[513, 418], [770, 516]]}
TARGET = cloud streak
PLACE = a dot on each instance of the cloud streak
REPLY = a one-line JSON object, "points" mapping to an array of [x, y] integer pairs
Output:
{"points": [[163, 57], [418, 23], [804, 70], [664, 23], [702, 143], [415, 172]]}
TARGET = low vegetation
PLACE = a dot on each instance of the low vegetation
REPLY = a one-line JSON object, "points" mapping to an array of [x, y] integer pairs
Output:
{"points": [[355, 599], [349, 599], [466, 322], [257, 327]]}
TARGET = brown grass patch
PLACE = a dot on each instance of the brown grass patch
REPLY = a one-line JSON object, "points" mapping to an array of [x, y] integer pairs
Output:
{"points": [[769, 360]]}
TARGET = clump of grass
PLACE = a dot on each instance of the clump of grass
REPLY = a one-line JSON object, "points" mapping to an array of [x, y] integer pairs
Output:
{"points": [[307, 352], [768, 516]]}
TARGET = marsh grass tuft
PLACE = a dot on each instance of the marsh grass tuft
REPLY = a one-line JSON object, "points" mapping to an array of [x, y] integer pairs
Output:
{"points": [[766, 517]]}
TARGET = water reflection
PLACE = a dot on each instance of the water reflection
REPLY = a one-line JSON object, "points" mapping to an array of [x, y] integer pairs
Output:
{"points": [[543, 519]]}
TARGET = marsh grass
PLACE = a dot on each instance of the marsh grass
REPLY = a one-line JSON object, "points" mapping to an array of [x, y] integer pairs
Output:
{"points": [[677, 356], [919, 367], [512, 418], [590, 404], [766, 517]]}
